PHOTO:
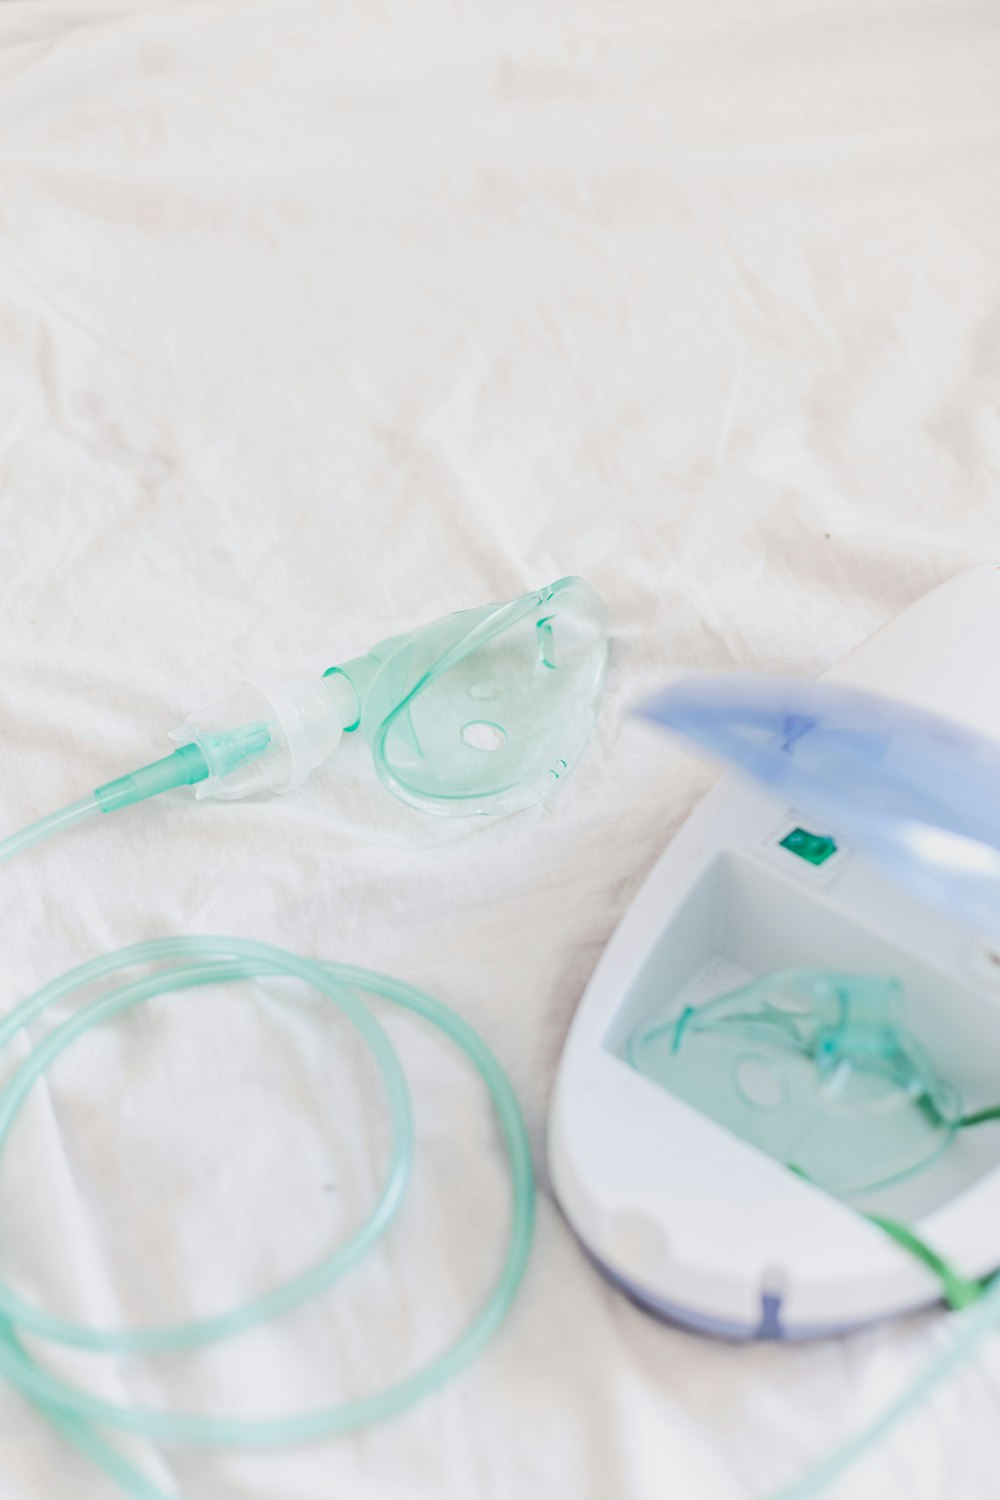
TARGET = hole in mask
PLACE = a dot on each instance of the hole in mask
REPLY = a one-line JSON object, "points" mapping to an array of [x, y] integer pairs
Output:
{"points": [[758, 1082], [481, 734]]}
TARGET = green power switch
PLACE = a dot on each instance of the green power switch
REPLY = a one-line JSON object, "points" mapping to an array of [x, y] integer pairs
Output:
{"points": [[814, 848]]}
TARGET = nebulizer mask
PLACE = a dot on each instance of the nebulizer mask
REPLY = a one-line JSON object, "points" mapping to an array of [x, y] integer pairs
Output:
{"points": [[484, 711], [817, 1069]]}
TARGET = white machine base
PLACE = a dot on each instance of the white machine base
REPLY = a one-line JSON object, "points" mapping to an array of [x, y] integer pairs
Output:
{"points": [[693, 1222]]}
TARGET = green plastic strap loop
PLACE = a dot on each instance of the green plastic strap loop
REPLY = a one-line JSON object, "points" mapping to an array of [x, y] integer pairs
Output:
{"points": [[980, 1117], [978, 1304], [958, 1290]]}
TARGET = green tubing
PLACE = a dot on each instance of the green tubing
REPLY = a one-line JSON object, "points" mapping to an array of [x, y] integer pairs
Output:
{"points": [[56, 822], [971, 1326], [977, 1309], [184, 767], [981, 1116], [184, 963], [958, 1290]]}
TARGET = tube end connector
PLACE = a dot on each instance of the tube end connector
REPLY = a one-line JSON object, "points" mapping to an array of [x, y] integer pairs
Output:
{"points": [[266, 735], [185, 767]]}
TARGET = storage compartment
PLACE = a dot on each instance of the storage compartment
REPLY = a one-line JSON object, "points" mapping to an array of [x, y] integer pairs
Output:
{"points": [[742, 921]]}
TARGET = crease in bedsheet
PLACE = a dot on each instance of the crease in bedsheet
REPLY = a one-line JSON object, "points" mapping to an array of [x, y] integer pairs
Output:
{"points": [[329, 275], [94, 1280]]}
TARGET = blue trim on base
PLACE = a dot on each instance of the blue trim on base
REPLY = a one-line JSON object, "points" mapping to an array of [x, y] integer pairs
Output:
{"points": [[770, 1326]]}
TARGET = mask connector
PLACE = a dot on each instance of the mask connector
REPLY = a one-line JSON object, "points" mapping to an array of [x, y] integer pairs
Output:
{"points": [[267, 735], [185, 767]]}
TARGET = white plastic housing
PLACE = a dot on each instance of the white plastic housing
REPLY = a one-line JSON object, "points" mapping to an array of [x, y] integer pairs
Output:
{"points": [[689, 1218]]}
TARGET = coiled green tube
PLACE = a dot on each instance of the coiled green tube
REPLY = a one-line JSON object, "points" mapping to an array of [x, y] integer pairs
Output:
{"points": [[83, 1419], [971, 1326]]}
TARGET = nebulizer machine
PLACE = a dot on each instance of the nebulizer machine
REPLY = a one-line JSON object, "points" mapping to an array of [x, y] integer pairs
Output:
{"points": [[776, 1112], [483, 711]]}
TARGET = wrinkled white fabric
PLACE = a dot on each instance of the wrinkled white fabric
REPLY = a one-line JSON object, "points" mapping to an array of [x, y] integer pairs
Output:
{"points": [[318, 320]]}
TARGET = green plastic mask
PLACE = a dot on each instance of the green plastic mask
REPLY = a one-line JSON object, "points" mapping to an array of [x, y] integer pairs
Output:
{"points": [[814, 1068], [483, 711], [486, 710]]}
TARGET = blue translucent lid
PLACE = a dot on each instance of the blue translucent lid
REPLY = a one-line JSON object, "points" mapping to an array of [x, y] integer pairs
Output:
{"points": [[918, 793]]}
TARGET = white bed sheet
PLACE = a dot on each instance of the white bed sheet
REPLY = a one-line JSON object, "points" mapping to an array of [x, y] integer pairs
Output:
{"points": [[319, 319]]}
